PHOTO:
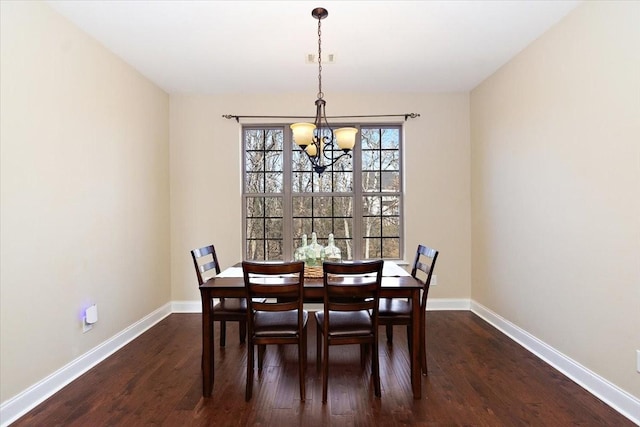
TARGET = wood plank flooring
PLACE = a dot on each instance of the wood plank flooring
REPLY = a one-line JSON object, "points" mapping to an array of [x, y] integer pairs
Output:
{"points": [[477, 377]]}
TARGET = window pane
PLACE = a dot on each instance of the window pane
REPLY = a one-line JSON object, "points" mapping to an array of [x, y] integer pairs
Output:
{"points": [[274, 250], [390, 181], [302, 206], [255, 206], [342, 206], [273, 228], [254, 161], [371, 205], [391, 227], [273, 207], [323, 227], [370, 138], [390, 139], [302, 182], [391, 205], [273, 161], [371, 248], [343, 228], [302, 226], [255, 228], [343, 182], [372, 227], [273, 139], [370, 160], [254, 139], [273, 182], [255, 250], [389, 161], [322, 206], [254, 182], [371, 181], [322, 183], [391, 248]]}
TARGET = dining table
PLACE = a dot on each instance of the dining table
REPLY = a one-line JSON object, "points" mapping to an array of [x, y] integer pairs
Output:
{"points": [[396, 283]]}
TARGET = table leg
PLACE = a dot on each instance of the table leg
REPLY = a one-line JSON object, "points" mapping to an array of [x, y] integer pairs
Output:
{"points": [[207, 344], [416, 378]]}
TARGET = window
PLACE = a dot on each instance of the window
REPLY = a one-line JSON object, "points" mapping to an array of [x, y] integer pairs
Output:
{"points": [[358, 199]]}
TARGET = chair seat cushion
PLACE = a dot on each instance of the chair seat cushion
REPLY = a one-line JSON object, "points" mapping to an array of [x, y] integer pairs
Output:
{"points": [[395, 307], [277, 323], [344, 324], [238, 305]]}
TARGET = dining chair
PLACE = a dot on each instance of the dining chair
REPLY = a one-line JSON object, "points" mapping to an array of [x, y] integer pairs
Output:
{"points": [[226, 310], [350, 314], [275, 313], [397, 311]]}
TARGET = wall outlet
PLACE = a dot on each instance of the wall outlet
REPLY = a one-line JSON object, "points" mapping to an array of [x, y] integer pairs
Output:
{"points": [[434, 280], [638, 360], [86, 327]]}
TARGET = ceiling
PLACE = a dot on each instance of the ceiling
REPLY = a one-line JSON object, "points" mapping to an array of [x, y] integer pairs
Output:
{"points": [[212, 47]]}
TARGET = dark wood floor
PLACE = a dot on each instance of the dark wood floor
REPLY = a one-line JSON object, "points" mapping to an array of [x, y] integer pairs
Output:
{"points": [[477, 376]]}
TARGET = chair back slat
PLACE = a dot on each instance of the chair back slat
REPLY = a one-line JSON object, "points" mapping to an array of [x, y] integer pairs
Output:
{"points": [[207, 267]]}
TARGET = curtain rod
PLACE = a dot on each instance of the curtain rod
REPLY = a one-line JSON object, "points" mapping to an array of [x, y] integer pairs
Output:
{"points": [[405, 115]]}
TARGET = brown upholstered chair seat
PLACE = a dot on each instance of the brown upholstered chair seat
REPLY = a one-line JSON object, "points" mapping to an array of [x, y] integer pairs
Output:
{"points": [[395, 307], [347, 323], [231, 305], [277, 323]]}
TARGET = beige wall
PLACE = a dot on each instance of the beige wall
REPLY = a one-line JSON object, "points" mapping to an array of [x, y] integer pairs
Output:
{"points": [[555, 178], [206, 176], [85, 194]]}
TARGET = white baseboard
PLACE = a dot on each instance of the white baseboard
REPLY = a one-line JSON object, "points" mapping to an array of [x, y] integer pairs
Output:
{"points": [[22, 403], [434, 304], [186, 306], [618, 399]]}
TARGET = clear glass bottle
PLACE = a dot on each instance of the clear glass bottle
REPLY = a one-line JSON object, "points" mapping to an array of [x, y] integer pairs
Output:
{"points": [[300, 253], [332, 253], [314, 252]]}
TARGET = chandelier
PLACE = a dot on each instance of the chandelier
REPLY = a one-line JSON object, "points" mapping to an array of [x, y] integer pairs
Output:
{"points": [[318, 140]]}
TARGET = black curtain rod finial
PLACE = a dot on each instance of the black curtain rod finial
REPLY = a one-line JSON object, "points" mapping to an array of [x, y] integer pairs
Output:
{"points": [[231, 116]]}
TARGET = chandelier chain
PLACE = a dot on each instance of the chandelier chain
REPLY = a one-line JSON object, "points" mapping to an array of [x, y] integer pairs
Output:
{"points": [[320, 94]]}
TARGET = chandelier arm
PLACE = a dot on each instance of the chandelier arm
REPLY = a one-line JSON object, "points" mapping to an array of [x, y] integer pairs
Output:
{"points": [[335, 159], [319, 166]]}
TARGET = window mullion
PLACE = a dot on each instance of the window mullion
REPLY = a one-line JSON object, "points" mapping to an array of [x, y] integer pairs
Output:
{"points": [[357, 232], [287, 202]]}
